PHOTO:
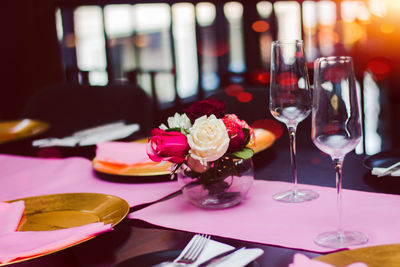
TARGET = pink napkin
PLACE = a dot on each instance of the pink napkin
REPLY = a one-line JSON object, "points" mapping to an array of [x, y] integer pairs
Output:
{"points": [[300, 260], [126, 153], [261, 219], [27, 176], [14, 245], [10, 216]]}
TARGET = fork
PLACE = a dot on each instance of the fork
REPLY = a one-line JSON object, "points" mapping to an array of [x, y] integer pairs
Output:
{"points": [[192, 251]]}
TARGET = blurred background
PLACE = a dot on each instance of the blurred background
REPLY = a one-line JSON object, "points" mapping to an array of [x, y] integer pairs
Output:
{"points": [[181, 51]]}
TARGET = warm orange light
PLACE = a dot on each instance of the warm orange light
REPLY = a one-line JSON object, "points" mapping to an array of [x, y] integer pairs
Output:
{"points": [[260, 26], [142, 40], [330, 35], [270, 125], [69, 40], [387, 28], [220, 49], [352, 32]]}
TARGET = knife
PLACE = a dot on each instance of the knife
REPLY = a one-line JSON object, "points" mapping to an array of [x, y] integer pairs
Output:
{"points": [[389, 170], [220, 257]]}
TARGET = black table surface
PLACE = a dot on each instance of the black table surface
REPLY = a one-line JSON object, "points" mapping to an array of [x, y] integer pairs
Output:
{"points": [[133, 238]]}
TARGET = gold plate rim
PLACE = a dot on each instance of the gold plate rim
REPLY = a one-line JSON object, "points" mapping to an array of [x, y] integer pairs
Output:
{"points": [[134, 171], [372, 256], [123, 203], [34, 127]]}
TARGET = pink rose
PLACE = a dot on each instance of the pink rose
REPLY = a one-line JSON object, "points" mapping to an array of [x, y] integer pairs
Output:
{"points": [[167, 146], [235, 126], [206, 107]]}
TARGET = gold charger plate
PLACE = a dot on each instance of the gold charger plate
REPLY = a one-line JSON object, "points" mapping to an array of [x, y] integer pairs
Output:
{"points": [[60, 211], [18, 129], [264, 139], [377, 256]]}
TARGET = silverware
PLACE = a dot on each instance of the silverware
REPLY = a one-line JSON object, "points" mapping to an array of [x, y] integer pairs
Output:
{"points": [[389, 170], [192, 251], [220, 257]]}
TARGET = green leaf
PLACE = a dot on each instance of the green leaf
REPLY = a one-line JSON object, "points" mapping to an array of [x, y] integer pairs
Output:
{"points": [[177, 129], [246, 153]]}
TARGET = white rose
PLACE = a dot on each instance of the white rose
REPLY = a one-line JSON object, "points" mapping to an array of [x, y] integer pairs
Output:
{"points": [[208, 139], [177, 121]]}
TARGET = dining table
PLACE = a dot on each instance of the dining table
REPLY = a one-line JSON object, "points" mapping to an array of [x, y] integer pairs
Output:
{"points": [[136, 239]]}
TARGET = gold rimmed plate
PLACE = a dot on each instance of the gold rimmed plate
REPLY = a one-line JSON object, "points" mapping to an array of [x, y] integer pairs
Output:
{"points": [[264, 139], [18, 129], [60, 211], [377, 256]]}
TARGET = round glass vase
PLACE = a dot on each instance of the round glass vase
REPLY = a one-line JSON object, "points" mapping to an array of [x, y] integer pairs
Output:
{"points": [[223, 184]]}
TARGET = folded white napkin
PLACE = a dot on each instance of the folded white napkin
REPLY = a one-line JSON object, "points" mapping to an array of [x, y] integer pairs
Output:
{"points": [[213, 248], [91, 136], [109, 135], [378, 171], [300, 260], [70, 141]]}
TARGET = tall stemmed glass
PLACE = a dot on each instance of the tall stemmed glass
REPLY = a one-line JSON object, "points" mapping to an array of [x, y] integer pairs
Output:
{"points": [[290, 102], [336, 130]]}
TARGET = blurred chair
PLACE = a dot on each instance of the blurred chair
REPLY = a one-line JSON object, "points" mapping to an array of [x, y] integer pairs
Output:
{"points": [[72, 107]]}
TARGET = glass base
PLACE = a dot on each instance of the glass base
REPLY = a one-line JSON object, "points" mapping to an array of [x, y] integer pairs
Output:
{"points": [[295, 196], [221, 201], [340, 239]]}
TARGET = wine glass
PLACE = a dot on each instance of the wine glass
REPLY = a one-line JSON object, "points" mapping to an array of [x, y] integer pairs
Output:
{"points": [[336, 130], [290, 102]]}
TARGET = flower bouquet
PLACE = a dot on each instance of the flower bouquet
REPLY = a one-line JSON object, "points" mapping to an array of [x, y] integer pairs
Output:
{"points": [[211, 152]]}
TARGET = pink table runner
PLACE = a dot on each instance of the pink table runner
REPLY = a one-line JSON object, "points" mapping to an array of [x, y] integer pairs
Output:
{"points": [[25, 177], [261, 219]]}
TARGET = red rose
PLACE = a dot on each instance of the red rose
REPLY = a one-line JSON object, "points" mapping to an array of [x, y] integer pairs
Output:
{"points": [[235, 126], [167, 146], [206, 107]]}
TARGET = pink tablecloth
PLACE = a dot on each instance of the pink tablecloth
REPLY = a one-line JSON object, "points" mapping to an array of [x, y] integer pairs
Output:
{"points": [[24, 177], [261, 219]]}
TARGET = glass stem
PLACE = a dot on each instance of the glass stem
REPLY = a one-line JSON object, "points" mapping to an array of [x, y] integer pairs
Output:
{"points": [[338, 165], [292, 138]]}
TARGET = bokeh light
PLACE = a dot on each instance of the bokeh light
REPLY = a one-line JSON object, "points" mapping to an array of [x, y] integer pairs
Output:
{"points": [[244, 97], [260, 26], [387, 28], [222, 47], [270, 125], [379, 67], [233, 89], [259, 76], [287, 78]]}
